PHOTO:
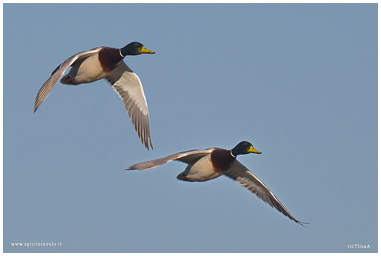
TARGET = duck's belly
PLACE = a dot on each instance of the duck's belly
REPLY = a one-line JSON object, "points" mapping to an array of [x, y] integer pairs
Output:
{"points": [[202, 170], [88, 71]]}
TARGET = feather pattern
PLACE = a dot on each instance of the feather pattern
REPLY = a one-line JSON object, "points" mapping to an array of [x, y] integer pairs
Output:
{"points": [[128, 86], [242, 175], [185, 157], [57, 74]]}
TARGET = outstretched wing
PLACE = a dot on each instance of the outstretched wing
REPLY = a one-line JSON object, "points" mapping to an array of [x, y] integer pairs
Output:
{"points": [[57, 74], [242, 175], [186, 157], [128, 86]]}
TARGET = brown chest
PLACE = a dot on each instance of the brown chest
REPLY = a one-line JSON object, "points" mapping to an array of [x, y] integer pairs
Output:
{"points": [[221, 160], [109, 58]]}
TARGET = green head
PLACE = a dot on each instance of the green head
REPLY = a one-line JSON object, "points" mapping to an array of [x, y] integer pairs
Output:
{"points": [[134, 48], [244, 147]]}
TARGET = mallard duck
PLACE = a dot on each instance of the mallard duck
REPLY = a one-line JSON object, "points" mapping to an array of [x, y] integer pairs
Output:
{"points": [[106, 62], [211, 163]]}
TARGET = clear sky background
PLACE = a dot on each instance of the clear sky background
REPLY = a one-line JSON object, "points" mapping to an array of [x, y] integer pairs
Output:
{"points": [[299, 81]]}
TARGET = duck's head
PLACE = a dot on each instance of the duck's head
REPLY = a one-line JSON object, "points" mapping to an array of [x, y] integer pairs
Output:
{"points": [[244, 147], [134, 48]]}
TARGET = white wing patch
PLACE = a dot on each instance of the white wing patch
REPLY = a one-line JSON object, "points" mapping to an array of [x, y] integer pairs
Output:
{"points": [[128, 86]]}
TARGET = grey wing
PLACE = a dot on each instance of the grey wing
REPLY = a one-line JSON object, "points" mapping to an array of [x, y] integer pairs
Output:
{"points": [[242, 175], [57, 74], [128, 86], [186, 157]]}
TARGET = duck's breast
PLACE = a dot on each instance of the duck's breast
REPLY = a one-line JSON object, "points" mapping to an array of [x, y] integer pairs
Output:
{"points": [[202, 170], [87, 71]]}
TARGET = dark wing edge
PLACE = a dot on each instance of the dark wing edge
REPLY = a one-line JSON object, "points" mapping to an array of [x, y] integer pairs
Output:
{"points": [[242, 175]]}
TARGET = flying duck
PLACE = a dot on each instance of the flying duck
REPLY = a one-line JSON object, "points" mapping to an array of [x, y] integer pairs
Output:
{"points": [[106, 62], [207, 164]]}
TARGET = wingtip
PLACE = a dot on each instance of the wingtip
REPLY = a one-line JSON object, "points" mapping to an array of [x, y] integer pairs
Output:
{"points": [[150, 141], [301, 223], [130, 168], [147, 145], [37, 104]]}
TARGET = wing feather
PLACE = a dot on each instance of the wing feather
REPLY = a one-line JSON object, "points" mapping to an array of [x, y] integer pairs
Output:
{"points": [[128, 86], [186, 157], [242, 175], [57, 74]]}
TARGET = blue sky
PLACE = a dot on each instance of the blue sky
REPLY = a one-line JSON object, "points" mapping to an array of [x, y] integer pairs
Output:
{"points": [[299, 81]]}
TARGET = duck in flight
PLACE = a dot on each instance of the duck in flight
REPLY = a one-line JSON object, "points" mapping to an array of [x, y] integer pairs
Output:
{"points": [[211, 163], [107, 62]]}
